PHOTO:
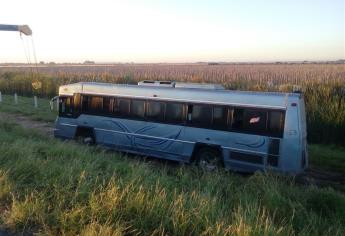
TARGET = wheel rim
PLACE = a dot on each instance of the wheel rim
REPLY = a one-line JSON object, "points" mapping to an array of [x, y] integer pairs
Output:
{"points": [[208, 161], [88, 140]]}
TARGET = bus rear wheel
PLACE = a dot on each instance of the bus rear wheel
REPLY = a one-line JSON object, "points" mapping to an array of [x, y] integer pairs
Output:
{"points": [[85, 136], [208, 159]]}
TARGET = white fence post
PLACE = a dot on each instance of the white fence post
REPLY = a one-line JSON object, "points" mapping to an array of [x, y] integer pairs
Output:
{"points": [[15, 98], [0, 97], [35, 102]]}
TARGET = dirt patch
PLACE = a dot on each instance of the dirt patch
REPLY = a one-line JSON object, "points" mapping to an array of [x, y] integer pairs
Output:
{"points": [[46, 128]]}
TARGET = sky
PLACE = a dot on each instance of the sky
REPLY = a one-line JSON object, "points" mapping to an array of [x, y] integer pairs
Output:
{"points": [[174, 31]]}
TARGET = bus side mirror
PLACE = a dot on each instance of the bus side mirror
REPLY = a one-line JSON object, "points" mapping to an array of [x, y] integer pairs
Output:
{"points": [[51, 103]]}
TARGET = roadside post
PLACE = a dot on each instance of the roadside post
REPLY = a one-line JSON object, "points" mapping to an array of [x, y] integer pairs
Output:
{"points": [[35, 102]]}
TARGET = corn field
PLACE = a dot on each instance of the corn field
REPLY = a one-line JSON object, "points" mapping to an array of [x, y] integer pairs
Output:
{"points": [[322, 84]]}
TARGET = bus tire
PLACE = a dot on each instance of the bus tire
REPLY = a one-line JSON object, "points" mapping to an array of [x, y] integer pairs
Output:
{"points": [[208, 158], [85, 135]]}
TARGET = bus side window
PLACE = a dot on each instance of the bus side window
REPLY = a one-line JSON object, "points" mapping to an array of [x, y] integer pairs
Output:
{"points": [[255, 121], [62, 105], [238, 119], [96, 104], [276, 123], [66, 106], [174, 113], [201, 115], [107, 102], [121, 107], [138, 109], [85, 100], [220, 118], [155, 110]]}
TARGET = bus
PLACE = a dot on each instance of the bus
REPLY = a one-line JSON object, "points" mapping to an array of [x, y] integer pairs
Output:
{"points": [[190, 123]]}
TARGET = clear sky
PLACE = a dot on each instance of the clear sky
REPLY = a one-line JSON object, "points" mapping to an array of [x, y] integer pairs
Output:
{"points": [[175, 30]]}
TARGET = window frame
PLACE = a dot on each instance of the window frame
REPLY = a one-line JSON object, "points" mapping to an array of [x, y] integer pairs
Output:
{"points": [[245, 125], [70, 113], [230, 112], [280, 132], [228, 118], [162, 104], [198, 125], [134, 117], [184, 113], [120, 115]]}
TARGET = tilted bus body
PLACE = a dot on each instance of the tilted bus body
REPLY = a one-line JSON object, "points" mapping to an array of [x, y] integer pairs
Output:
{"points": [[244, 131]]}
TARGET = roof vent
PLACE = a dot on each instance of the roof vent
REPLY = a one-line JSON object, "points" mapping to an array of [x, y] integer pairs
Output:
{"points": [[157, 83], [165, 82], [173, 84], [297, 89], [147, 82], [199, 86]]}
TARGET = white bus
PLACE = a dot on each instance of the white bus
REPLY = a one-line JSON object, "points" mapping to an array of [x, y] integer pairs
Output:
{"points": [[188, 122]]}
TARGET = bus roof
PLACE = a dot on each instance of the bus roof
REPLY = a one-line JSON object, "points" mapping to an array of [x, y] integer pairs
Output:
{"points": [[272, 100]]}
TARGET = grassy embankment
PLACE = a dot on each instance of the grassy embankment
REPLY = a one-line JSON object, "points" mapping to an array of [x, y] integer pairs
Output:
{"points": [[25, 107], [53, 187]]}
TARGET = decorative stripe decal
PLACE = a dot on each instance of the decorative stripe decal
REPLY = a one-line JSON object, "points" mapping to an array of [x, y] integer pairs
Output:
{"points": [[246, 151], [169, 139], [144, 135], [67, 124], [178, 140]]}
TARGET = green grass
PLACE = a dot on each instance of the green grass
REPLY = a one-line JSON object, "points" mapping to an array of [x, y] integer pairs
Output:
{"points": [[328, 157], [53, 187], [26, 107]]}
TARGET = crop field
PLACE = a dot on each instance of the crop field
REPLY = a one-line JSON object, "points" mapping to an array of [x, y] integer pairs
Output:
{"points": [[53, 187], [322, 84]]}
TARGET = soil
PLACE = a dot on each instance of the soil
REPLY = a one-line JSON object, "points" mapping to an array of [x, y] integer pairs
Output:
{"points": [[43, 127]]}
